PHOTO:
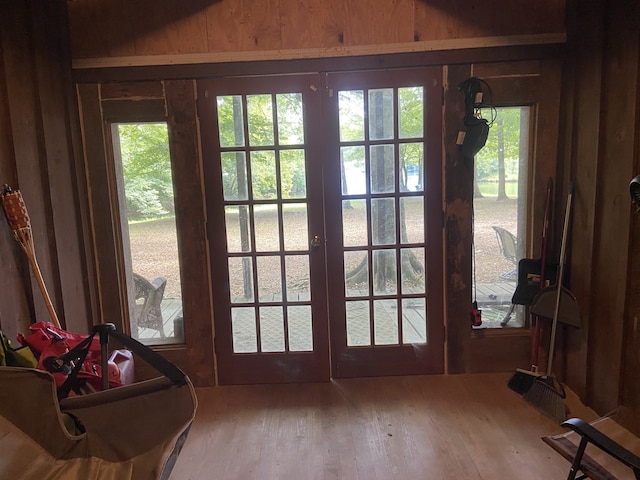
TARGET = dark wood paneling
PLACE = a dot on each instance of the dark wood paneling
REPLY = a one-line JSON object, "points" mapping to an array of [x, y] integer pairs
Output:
{"points": [[192, 237], [26, 126], [439, 19], [37, 155], [133, 110], [99, 179], [15, 293], [619, 120], [132, 90], [103, 28], [52, 63], [458, 221], [489, 352], [338, 64]]}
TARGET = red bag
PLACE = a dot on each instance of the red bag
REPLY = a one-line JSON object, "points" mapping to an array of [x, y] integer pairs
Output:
{"points": [[43, 333], [50, 344]]}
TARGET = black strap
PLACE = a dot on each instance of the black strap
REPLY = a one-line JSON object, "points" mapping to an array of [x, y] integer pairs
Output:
{"points": [[76, 357]]}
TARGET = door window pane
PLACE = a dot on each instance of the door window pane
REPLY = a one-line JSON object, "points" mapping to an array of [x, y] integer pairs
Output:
{"points": [[385, 321], [295, 221], [356, 227], [500, 187], [383, 169], [351, 116], [410, 112], [411, 167], [234, 176], [230, 123], [300, 332], [297, 278], [267, 223], [356, 273], [411, 220], [238, 228], [353, 173], [383, 221], [243, 328], [381, 118], [384, 272], [290, 126], [293, 179], [263, 175], [273, 221], [260, 118], [150, 241], [269, 278], [358, 323], [414, 325], [412, 269], [271, 329], [241, 279]]}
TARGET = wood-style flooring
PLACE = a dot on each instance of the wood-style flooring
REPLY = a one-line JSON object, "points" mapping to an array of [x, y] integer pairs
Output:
{"points": [[422, 427]]}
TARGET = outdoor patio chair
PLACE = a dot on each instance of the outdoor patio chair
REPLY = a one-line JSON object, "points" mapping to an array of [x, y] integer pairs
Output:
{"points": [[149, 295], [509, 247], [605, 449]]}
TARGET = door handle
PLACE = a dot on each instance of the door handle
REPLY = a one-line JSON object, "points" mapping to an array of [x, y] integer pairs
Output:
{"points": [[315, 242]]}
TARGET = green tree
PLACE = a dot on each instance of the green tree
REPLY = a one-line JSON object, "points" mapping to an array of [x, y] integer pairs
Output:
{"points": [[146, 166], [498, 160]]}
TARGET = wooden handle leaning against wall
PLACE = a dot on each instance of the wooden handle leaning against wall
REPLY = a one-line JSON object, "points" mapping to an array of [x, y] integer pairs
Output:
{"points": [[18, 218]]}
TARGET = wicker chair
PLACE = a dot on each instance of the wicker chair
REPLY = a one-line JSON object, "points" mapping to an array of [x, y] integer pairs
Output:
{"points": [[509, 247], [148, 295]]}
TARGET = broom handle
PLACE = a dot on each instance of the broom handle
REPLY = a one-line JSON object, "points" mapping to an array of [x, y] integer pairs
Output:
{"points": [[543, 261], [23, 236], [556, 312]]}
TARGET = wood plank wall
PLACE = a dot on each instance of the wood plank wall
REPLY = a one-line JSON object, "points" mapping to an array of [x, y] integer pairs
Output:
{"points": [[598, 134], [121, 28], [38, 144], [594, 132]]}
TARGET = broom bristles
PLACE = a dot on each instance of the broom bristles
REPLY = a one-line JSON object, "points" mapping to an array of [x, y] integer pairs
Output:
{"points": [[522, 380], [547, 399]]}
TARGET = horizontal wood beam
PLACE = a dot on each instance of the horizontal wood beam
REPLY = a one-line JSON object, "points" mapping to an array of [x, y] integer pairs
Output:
{"points": [[332, 52]]}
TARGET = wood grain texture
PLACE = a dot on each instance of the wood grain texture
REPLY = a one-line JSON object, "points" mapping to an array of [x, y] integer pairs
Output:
{"points": [[618, 132], [243, 25], [435, 427], [112, 28], [439, 19]]}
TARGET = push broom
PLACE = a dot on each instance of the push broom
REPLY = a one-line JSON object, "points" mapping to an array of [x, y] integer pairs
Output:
{"points": [[546, 394], [522, 380], [18, 218]]}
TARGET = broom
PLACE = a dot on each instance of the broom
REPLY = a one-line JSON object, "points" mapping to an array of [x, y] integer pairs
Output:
{"points": [[18, 218], [545, 393], [522, 380]]}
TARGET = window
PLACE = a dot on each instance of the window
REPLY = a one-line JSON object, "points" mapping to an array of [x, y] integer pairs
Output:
{"points": [[499, 203], [149, 233]]}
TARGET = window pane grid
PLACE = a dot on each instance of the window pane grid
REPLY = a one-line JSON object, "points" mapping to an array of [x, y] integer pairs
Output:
{"points": [[266, 217], [382, 177]]}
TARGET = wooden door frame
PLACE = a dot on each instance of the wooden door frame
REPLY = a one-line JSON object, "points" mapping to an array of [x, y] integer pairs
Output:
{"points": [[524, 83], [172, 102], [408, 358], [276, 367]]}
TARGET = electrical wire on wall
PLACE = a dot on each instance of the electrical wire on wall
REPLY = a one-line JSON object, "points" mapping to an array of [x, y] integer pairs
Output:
{"points": [[471, 142]]}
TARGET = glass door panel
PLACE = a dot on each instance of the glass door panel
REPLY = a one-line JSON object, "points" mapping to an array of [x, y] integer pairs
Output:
{"points": [[148, 223], [269, 324], [500, 206], [382, 319]]}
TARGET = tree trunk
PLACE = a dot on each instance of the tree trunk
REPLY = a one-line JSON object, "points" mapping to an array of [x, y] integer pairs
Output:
{"points": [[502, 191]]}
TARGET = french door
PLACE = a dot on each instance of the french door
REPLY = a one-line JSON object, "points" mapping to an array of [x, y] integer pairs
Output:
{"points": [[324, 224]]}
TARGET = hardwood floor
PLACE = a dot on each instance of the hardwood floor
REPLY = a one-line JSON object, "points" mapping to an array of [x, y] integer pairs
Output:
{"points": [[422, 427]]}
